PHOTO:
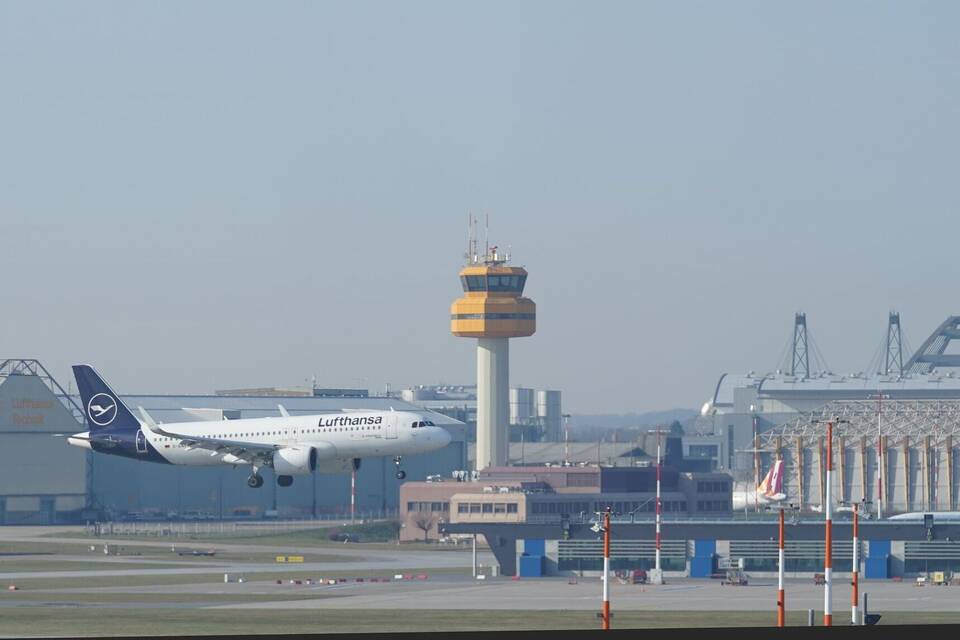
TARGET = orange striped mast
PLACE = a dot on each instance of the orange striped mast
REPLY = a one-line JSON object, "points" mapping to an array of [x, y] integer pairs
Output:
{"points": [[781, 597], [855, 594]]}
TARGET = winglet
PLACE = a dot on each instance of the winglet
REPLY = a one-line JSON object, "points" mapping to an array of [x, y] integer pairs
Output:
{"points": [[283, 411]]}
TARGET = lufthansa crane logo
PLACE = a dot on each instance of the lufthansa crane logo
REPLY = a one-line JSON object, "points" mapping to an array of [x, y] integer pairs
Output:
{"points": [[102, 409]]}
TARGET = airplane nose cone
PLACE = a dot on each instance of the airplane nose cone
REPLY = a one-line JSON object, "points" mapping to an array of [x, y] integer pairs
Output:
{"points": [[443, 437]]}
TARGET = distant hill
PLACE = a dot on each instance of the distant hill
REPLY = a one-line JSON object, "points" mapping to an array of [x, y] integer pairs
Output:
{"points": [[627, 427], [622, 420]]}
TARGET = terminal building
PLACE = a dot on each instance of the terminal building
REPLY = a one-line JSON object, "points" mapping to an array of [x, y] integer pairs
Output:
{"points": [[535, 414], [706, 547], [46, 481], [557, 494]]}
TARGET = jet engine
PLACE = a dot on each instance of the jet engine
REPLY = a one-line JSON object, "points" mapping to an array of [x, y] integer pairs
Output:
{"points": [[339, 465], [295, 461]]}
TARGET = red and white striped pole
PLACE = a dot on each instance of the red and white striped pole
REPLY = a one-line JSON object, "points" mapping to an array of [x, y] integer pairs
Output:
{"points": [[880, 462], [828, 546], [606, 569], [353, 494], [855, 594], [659, 504], [781, 599]]}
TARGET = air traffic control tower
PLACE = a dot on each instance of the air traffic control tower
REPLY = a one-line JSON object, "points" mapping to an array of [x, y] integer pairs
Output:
{"points": [[492, 311]]}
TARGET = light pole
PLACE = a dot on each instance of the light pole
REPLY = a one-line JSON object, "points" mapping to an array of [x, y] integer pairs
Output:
{"points": [[781, 596], [756, 459], [566, 439], [657, 577], [781, 564], [855, 569], [605, 528], [828, 529], [880, 456], [828, 532], [659, 504]]}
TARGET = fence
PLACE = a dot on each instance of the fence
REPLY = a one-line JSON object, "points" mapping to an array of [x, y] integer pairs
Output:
{"points": [[216, 528]]}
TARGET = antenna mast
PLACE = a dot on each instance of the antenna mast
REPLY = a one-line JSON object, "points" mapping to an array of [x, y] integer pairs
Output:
{"points": [[894, 355], [799, 359]]}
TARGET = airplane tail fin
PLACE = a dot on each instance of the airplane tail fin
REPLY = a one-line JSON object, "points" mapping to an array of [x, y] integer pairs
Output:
{"points": [[764, 487], [776, 480], [102, 407], [772, 484]]}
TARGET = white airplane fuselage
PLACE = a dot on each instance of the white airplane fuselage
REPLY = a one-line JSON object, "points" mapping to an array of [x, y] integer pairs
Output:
{"points": [[342, 435], [747, 499]]}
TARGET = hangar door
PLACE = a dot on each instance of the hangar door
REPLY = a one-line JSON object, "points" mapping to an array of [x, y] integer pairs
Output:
{"points": [[42, 478]]}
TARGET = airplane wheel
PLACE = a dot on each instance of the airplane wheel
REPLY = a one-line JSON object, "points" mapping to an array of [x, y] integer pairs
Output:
{"points": [[284, 481], [401, 475], [255, 481]]}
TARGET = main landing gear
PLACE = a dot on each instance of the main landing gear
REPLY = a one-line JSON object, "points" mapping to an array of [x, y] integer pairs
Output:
{"points": [[284, 481], [401, 474], [255, 481]]}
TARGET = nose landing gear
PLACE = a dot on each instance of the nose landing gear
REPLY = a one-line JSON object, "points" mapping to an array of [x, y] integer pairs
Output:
{"points": [[401, 474]]}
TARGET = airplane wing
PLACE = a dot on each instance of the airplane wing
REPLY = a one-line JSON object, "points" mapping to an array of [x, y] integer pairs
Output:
{"points": [[283, 411], [248, 451]]}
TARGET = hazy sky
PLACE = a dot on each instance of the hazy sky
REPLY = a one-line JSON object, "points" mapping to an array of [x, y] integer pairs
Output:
{"points": [[203, 195]]}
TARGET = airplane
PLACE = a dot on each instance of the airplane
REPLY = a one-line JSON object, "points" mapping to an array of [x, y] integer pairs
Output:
{"points": [[290, 445], [938, 516], [863, 514], [769, 491]]}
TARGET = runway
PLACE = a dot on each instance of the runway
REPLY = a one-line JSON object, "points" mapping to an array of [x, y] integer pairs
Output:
{"points": [[557, 594], [61, 580]]}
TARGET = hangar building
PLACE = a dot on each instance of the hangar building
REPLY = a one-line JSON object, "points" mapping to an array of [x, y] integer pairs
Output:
{"points": [[910, 402], [44, 480]]}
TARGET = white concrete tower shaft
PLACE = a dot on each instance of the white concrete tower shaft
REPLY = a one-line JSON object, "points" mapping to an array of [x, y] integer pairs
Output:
{"points": [[493, 402], [493, 310]]}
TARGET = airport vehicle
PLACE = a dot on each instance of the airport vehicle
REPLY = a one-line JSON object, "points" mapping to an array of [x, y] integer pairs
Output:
{"points": [[735, 578], [768, 492], [290, 445]]}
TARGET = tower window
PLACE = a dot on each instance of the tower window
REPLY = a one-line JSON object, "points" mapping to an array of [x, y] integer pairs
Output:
{"points": [[474, 283], [506, 283]]}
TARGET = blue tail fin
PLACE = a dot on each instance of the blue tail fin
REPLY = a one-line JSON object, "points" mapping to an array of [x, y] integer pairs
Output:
{"points": [[102, 406]]}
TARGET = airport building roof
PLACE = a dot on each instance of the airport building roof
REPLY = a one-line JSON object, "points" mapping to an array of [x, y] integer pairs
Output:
{"points": [[581, 453], [784, 391]]}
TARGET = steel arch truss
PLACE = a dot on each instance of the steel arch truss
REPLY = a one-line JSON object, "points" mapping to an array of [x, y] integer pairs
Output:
{"points": [[893, 419]]}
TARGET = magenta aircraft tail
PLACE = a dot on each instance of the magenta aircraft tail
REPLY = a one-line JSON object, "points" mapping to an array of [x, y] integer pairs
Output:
{"points": [[772, 484]]}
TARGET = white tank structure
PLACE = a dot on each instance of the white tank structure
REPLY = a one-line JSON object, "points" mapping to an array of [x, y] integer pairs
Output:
{"points": [[522, 407], [548, 412], [493, 311]]}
